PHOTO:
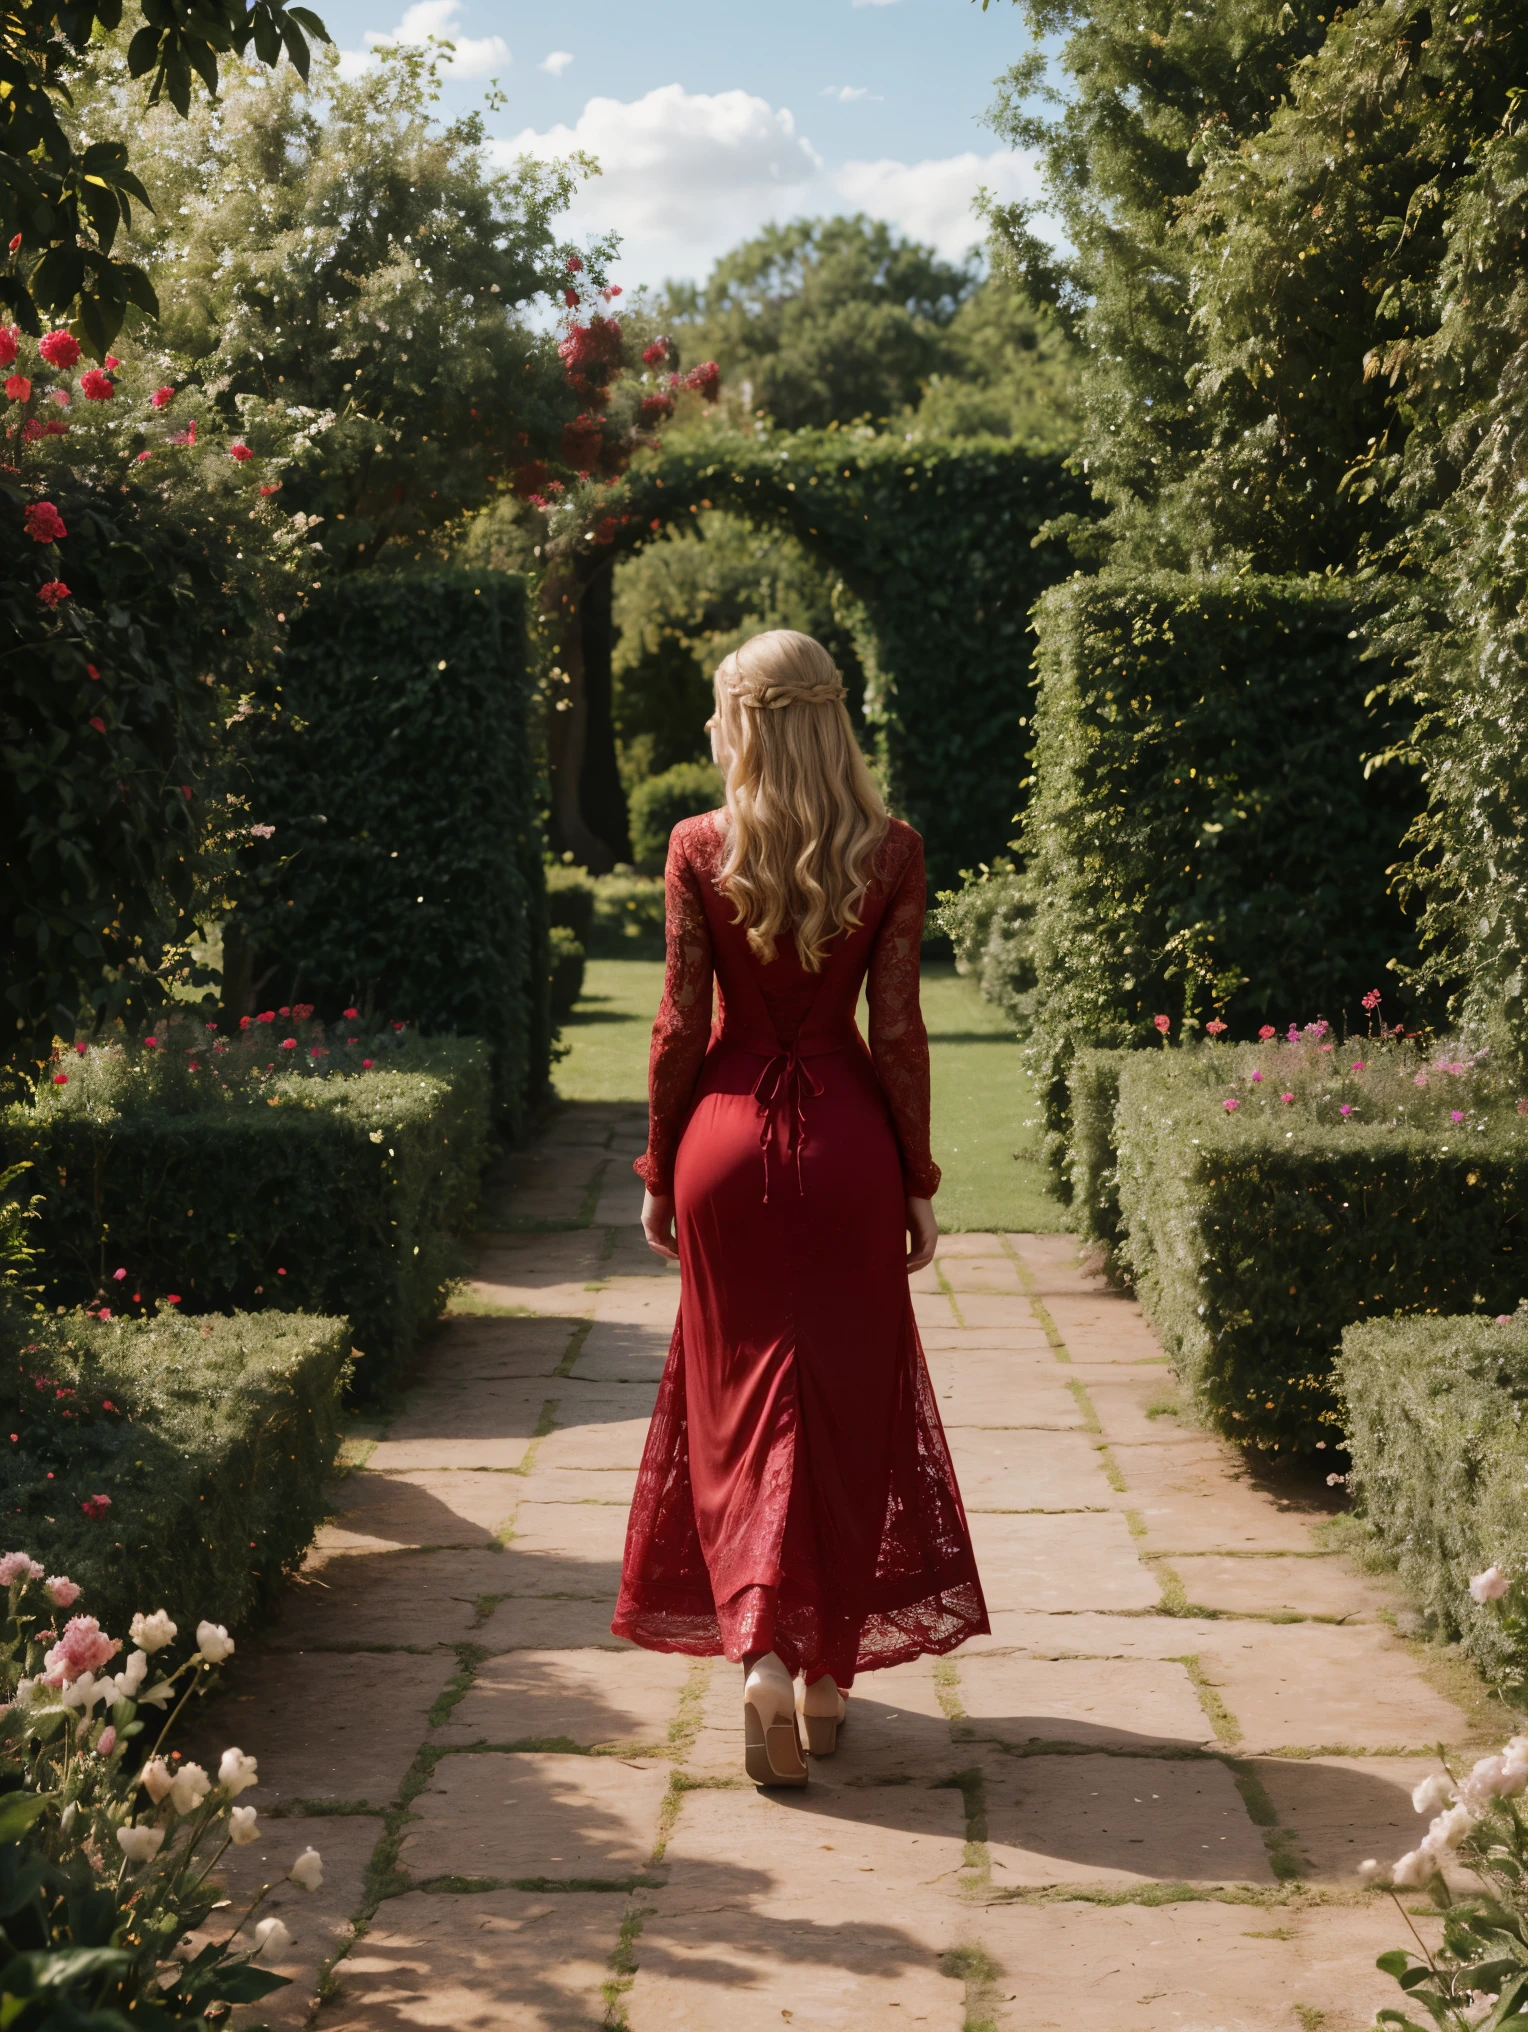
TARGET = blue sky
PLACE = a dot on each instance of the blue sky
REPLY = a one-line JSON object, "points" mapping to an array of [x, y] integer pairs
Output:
{"points": [[709, 120]]}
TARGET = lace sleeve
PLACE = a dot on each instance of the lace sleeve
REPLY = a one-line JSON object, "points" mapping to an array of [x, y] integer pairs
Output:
{"points": [[683, 1025], [898, 1040]]}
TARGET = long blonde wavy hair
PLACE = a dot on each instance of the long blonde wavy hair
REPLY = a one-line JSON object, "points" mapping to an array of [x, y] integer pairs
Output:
{"points": [[805, 815]]}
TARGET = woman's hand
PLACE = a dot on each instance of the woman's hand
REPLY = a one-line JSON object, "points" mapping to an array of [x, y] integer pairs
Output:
{"points": [[658, 1225], [922, 1227]]}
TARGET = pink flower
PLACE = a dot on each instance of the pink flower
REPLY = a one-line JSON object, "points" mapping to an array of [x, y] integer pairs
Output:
{"points": [[112, 363], [1215, 1026], [1317, 1029], [1328, 1047], [351, 1013], [1231, 1105], [1162, 1023], [144, 457], [1266, 1032], [705, 380], [107, 1741], [1419, 1079], [1345, 1110], [84, 1646], [54, 593], [43, 522], [95, 1508], [18, 388], [289, 1043], [60, 1079], [172, 1298], [240, 451], [152, 1043], [96, 386], [1294, 1034], [118, 1275], [270, 487], [1504, 1319], [162, 397], [1455, 1115], [62, 1592], [59, 395], [1257, 1079], [59, 349], [104, 1313], [15, 1565], [655, 354], [266, 1016], [1286, 1099], [98, 723], [367, 1064], [1373, 999], [1359, 1065], [9, 334]]}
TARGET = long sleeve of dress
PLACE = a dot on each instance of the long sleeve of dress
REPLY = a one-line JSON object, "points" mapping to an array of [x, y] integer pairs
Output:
{"points": [[683, 1025], [898, 1040]]}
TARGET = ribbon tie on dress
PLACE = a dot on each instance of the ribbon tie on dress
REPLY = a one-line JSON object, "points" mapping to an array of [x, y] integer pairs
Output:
{"points": [[784, 1083]]}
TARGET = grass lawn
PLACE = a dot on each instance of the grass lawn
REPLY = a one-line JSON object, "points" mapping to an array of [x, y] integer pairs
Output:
{"points": [[985, 1137]]}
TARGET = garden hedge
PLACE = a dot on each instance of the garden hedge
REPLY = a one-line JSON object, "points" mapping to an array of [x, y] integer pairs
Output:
{"points": [[947, 548], [1434, 1412], [1092, 1160], [212, 1439], [1201, 838], [404, 874], [339, 1194], [1257, 1232], [661, 802]]}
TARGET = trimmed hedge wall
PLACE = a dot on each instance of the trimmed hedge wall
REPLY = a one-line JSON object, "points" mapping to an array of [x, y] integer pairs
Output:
{"points": [[1256, 1234], [405, 871], [340, 1195], [1092, 1161], [1435, 1412], [1200, 838], [211, 1437]]}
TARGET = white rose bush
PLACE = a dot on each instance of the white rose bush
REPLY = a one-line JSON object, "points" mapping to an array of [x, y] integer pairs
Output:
{"points": [[110, 1840], [1477, 1980]]}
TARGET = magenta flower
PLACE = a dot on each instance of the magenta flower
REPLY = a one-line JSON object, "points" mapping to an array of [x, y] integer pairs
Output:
{"points": [[1455, 1115], [1257, 1079], [1266, 1032], [1419, 1079], [1286, 1099], [1345, 1110], [1231, 1105], [1359, 1065], [1372, 999], [1162, 1024]]}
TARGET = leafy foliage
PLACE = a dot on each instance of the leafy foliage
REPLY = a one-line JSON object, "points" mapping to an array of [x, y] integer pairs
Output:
{"points": [[989, 921], [212, 1437], [1091, 1168], [393, 761], [664, 801], [616, 916], [63, 196], [336, 1193], [1258, 1229], [1202, 840]]}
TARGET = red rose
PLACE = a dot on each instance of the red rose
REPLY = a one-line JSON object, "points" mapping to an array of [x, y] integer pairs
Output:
{"points": [[59, 349], [18, 387], [8, 336], [99, 725], [162, 397], [240, 451], [53, 593], [96, 386], [44, 524]]}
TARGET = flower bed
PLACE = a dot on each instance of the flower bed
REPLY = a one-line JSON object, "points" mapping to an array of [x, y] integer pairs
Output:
{"points": [[1434, 1418], [182, 1459], [1273, 1194], [222, 1176]]}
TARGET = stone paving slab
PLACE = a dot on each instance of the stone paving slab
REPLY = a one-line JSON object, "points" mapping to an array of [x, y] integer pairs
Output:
{"points": [[385, 1599], [990, 1386], [620, 1352], [1326, 1586], [1120, 1703], [377, 1511], [544, 1484], [568, 1819], [588, 1698], [520, 1622], [503, 1961], [470, 1348], [590, 1532], [1007, 1469], [1087, 1634], [577, 1443], [1316, 1685], [648, 1303], [320, 1922], [988, 1275], [1341, 1810], [1085, 1560]]}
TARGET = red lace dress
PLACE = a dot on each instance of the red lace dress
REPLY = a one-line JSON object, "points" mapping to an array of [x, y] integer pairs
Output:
{"points": [[796, 1492]]}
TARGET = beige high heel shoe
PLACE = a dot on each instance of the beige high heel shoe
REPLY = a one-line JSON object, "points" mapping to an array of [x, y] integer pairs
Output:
{"points": [[822, 1708], [771, 1744]]}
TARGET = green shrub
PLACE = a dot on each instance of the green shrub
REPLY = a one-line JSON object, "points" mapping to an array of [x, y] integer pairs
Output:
{"points": [[405, 870], [212, 1438], [1434, 1413], [328, 1192], [567, 972], [989, 922], [663, 802], [1201, 838], [570, 900], [621, 914], [1092, 1161], [1258, 1228]]}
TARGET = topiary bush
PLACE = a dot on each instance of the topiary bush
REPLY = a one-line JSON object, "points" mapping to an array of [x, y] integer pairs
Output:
{"points": [[664, 801], [1274, 1194], [238, 1181], [614, 916], [1092, 1161], [1201, 838], [210, 1438], [404, 874], [1433, 1411]]}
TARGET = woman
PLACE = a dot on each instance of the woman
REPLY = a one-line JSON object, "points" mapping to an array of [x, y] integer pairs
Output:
{"points": [[796, 1507]]}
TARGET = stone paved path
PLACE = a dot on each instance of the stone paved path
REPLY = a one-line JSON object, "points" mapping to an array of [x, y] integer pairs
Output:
{"points": [[1139, 1804]]}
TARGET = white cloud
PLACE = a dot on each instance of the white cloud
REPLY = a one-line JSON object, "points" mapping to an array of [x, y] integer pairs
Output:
{"points": [[849, 95], [872, 3], [473, 56], [687, 175], [557, 62]]}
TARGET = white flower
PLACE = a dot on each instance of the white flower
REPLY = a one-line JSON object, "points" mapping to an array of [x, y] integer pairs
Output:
{"points": [[308, 1870], [1370, 1871], [152, 1633], [237, 1772], [243, 1825], [1414, 1868], [1433, 1793], [1489, 1586], [86, 1691], [213, 1642], [157, 1778], [132, 1675], [270, 1933], [189, 1787], [156, 1695], [1450, 1828], [25, 1688], [140, 1844]]}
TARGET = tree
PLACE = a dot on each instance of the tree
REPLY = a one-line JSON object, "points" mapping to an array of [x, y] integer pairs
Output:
{"points": [[342, 251], [1010, 371], [63, 197]]}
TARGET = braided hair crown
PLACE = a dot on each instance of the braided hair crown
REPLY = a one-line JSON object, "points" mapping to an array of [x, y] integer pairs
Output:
{"points": [[760, 677]]}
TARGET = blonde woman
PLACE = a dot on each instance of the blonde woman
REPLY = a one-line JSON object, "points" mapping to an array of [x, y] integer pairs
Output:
{"points": [[796, 1508]]}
